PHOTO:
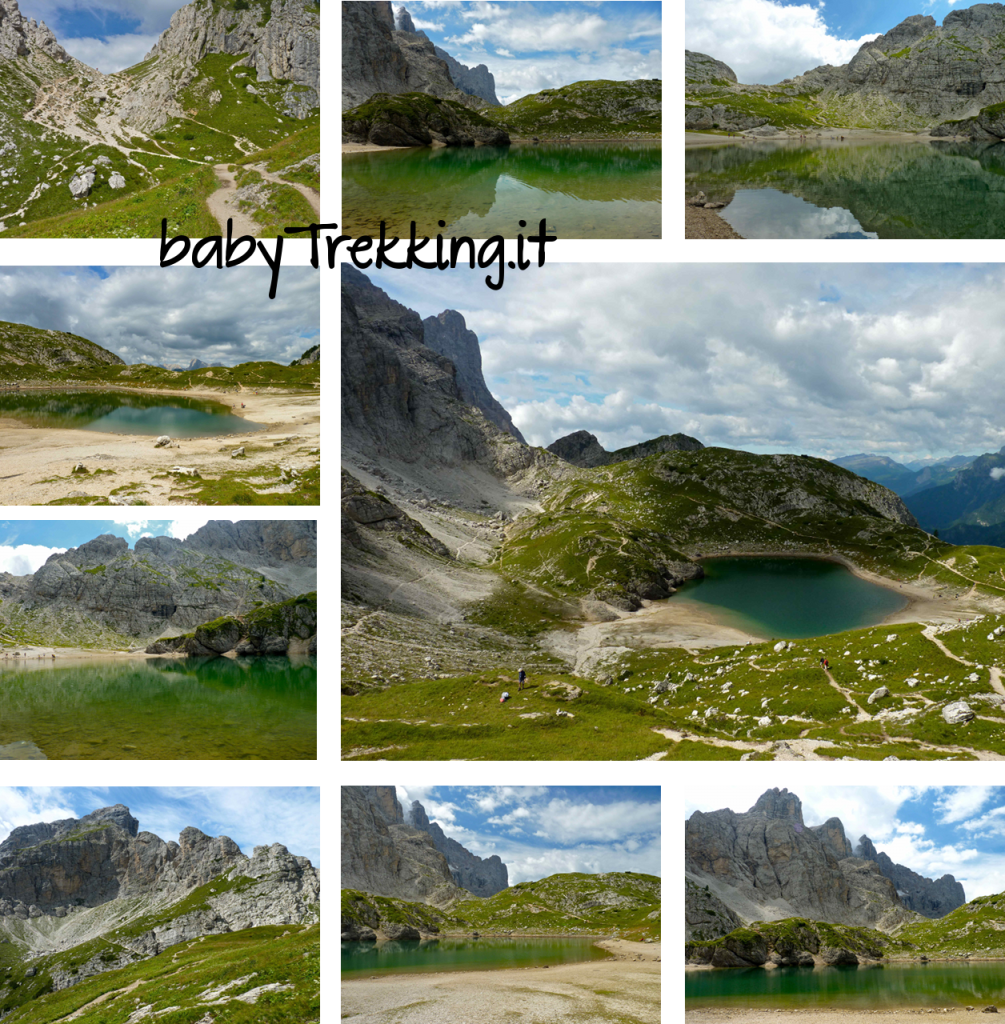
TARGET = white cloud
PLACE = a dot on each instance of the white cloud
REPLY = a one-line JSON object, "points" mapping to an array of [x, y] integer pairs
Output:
{"points": [[997, 473], [152, 15], [112, 54], [962, 802], [24, 559]]}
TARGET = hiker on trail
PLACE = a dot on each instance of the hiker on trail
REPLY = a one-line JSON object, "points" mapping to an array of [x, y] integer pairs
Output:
{"points": [[827, 665], [522, 678]]}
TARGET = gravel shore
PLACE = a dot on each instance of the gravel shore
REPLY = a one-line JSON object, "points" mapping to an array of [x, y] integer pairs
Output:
{"points": [[624, 987]]}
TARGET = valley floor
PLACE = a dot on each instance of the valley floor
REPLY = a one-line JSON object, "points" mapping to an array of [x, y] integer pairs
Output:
{"points": [[38, 462], [624, 989]]}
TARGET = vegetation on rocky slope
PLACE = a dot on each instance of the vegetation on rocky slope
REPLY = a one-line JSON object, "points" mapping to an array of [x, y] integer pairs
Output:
{"points": [[975, 929]]}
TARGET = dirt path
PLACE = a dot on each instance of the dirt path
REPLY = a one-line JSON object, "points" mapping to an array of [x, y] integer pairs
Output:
{"points": [[863, 716], [929, 635], [308, 193], [222, 207]]}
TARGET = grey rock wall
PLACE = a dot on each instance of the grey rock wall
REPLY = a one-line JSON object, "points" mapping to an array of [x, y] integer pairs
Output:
{"points": [[384, 856], [927, 896], [448, 335], [482, 877], [582, 449]]}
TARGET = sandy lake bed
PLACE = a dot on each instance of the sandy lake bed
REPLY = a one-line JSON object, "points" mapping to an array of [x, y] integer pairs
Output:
{"points": [[38, 462], [624, 987]]}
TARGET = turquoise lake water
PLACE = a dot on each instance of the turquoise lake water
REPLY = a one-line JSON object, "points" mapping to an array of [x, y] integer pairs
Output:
{"points": [[201, 708], [931, 189], [583, 190], [123, 412], [933, 985], [456, 954], [789, 597]]}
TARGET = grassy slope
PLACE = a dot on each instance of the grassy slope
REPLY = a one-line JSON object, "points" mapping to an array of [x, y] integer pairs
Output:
{"points": [[624, 904], [625, 516], [976, 928]]}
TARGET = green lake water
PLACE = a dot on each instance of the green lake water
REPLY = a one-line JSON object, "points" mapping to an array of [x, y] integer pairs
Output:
{"points": [[459, 954], [584, 190], [931, 189], [932, 985], [188, 708], [123, 412], [789, 597]]}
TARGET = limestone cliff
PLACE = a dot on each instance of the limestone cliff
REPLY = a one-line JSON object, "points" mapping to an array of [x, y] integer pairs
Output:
{"points": [[163, 586], [481, 877], [927, 896], [767, 864], [21, 36], [448, 335], [477, 81], [384, 856], [82, 896]]}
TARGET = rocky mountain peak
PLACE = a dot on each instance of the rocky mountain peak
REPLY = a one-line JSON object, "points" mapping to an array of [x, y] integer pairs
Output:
{"points": [[927, 896], [403, 20], [582, 449], [779, 803], [20, 36]]}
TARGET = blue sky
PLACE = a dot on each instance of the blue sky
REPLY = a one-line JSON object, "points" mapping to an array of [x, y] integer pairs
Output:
{"points": [[764, 41], [171, 316], [252, 817], [907, 358], [107, 34], [532, 46], [934, 830], [545, 830], [26, 544]]}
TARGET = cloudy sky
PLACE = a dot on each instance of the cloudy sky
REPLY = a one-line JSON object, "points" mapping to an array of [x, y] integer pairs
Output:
{"points": [[934, 830], [533, 46], [171, 316], [25, 545], [545, 830], [107, 34], [251, 817], [902, 360], [764, 41]]}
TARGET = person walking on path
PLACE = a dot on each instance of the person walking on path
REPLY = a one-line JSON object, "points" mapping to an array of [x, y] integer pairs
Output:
{"points": [[521, 679]]}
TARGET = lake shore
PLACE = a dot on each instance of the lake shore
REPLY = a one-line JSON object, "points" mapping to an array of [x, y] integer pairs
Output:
{"points": [[743, 1015], [627, 985], [702, 223], [840, 136], [38, 462]]}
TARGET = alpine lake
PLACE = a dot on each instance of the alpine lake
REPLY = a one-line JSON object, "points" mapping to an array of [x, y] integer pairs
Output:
{"points": [[165, 709], [459, 954], [930, 986], [582, 190], [788, 598], [852, 189], [122, 412]]}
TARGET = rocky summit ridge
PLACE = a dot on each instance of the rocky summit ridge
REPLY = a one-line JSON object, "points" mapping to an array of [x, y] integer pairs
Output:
{"points": [[767, 864], [918, 76], [100, 880], [162, 586], [385, 853]]}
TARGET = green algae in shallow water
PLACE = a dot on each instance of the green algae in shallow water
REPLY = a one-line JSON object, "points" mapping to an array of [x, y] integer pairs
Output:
{"points": [[583, 190], [192, 708]]}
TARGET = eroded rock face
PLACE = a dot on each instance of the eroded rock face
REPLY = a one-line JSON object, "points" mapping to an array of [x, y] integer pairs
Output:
{"points": [[700, 68], [383, 855], [477, 81], [483, 877], [584, 450], [705, 915], [768, 863], [448, 335], [20, 36], [931, 897], [164, 583]]}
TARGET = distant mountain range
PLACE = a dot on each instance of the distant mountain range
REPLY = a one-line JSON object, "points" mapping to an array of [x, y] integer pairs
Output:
{"points": [[962, 497]]}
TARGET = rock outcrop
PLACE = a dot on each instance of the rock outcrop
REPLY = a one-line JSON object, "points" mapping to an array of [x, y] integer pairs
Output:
{"points": [[166, 585], [767, 864], [418, 119], [481, 877], [918, 75], [279, 40], [384, 856], [477, 81], [705, 915], [21, 36], [290, 627], [448, 335], [927, 896], [582, 449]]}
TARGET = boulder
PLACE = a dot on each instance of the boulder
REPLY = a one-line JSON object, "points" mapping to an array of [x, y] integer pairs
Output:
{"points": [[116, 181], [957, 712], [835, 956], [81, 185], [878, 694], [162, 442]]}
